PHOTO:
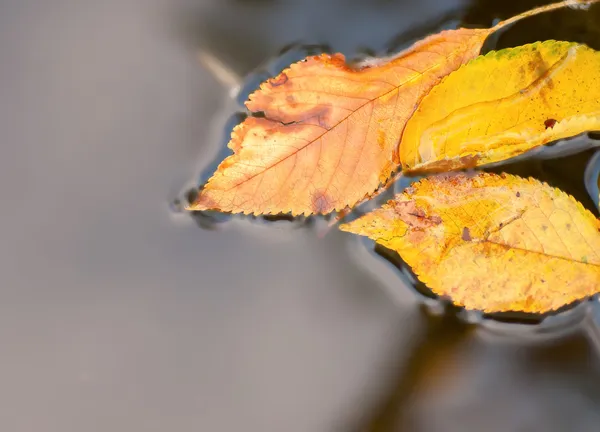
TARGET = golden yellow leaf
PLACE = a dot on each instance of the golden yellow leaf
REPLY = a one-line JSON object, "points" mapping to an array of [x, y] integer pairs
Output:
{"points": [[492, 242], [503, 104], [328, 134]]}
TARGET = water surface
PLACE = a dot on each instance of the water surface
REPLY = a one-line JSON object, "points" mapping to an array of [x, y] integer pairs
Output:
{"points": [[117, 315]]}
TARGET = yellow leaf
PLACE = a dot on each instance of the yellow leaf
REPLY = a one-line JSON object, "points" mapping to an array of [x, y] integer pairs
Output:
{"points": [[492, 242], [328, 133], [503, 104]]}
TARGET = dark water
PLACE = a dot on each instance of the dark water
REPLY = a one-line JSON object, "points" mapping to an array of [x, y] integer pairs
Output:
{"points": [[118, 314]]}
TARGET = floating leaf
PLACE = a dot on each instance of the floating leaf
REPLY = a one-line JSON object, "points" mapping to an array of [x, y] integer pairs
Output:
{"points": [[503, 104], [327, 133], [492, 242]]}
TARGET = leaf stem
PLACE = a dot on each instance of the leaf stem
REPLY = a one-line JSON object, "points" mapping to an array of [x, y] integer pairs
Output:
{"points": [[542, 9]]}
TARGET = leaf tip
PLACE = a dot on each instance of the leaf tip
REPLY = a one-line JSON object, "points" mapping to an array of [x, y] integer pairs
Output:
{"points": [[202, 203]]}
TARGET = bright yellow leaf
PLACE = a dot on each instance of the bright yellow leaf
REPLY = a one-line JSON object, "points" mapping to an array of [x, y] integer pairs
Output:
{"points": [[492, 242], [503, 104]]}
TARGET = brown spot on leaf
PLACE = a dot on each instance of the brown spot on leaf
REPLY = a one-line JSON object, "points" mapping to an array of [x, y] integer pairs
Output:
{"points": [[291, 100], [321, 203], [518, 194], [549, 123], [416, 217], [537, 64], [466, 234], [280, 79], [469, 161], [544, 83], [260, 127], [319, 115]]}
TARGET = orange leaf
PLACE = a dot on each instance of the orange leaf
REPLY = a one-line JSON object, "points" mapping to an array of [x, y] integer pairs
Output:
{"points": [[492, 242], [330, 132]]}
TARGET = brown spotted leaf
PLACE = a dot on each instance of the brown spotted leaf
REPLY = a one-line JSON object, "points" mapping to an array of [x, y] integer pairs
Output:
{"points": [[328, 133], [492, 242]]}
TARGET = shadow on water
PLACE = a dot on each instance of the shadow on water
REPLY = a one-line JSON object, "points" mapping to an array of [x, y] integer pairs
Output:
{"points": [[567, 352], [442, 335], [572, 359]]}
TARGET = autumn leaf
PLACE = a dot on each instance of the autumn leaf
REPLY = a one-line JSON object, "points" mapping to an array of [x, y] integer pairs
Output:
{"points": [[327, 134], [492, 242], [503, 104]]}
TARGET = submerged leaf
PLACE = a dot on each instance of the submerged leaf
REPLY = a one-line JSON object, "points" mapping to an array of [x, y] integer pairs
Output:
{"points": [[492, 242], [503, 104], [328, 133]]}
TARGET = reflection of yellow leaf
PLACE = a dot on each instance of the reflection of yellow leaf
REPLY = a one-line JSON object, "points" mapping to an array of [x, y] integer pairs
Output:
{"points": [[327, 134], [492, 242], [503, 104]]}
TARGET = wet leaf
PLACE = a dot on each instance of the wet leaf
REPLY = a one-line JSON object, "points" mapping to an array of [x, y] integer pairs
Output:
{"points": [[492, 242], [503, 104], [327, 133]]}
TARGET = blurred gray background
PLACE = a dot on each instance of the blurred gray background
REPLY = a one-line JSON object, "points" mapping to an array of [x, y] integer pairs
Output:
{"points": [[116, 315]]}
